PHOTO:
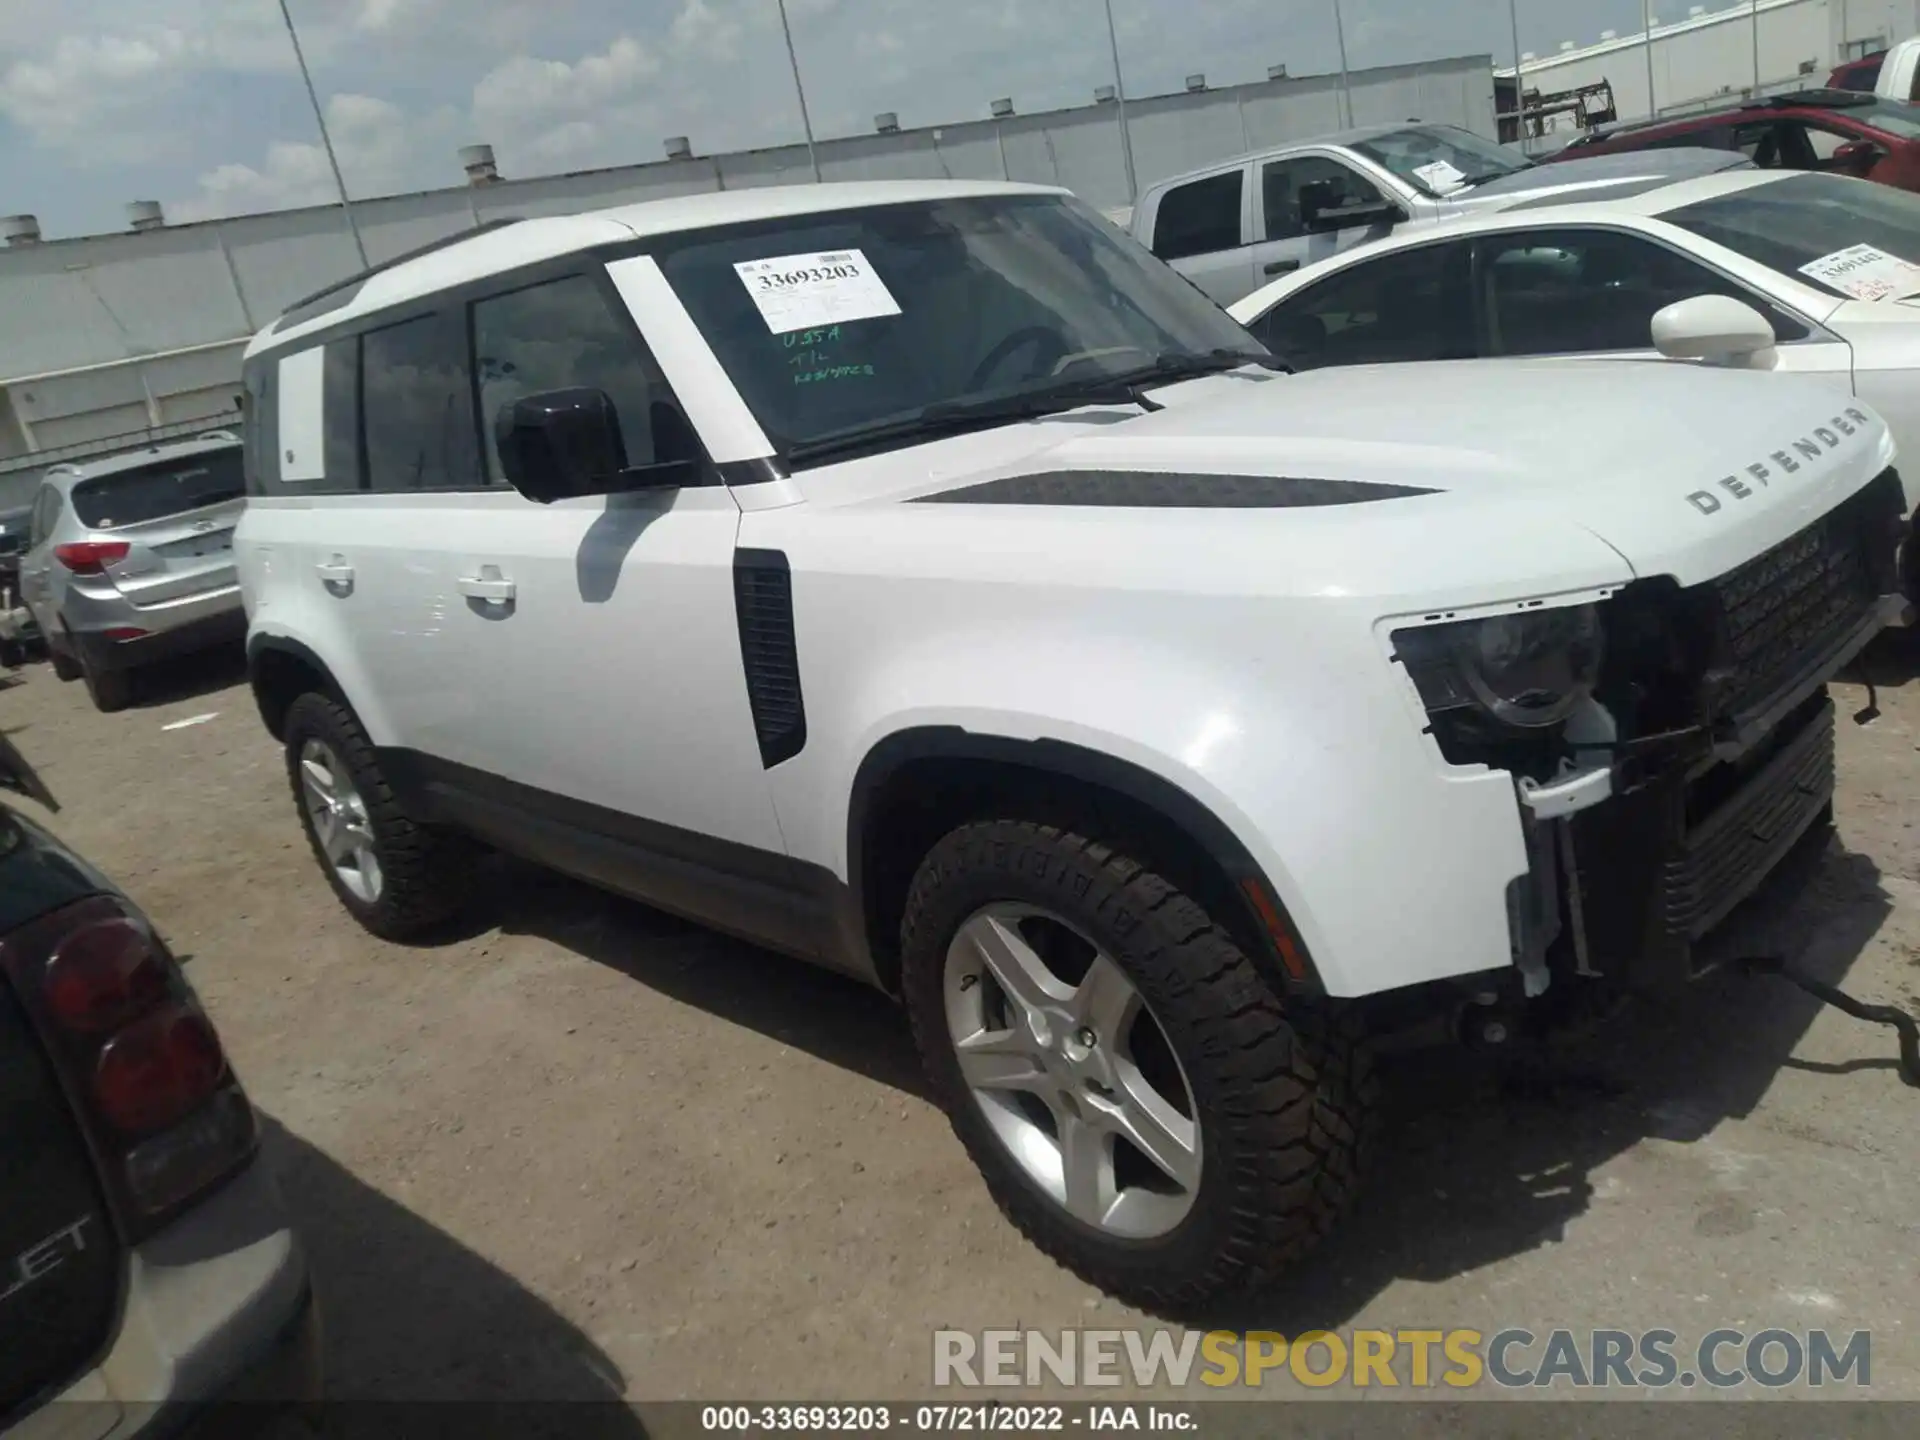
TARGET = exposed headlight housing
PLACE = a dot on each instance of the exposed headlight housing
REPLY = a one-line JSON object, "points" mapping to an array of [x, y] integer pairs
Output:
{"points": [[1530, 669]]}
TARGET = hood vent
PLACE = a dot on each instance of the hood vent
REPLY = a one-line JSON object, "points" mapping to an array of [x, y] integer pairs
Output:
{"points": [[1157, 490]]}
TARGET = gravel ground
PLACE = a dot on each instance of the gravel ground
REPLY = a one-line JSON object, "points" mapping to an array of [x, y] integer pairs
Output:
{"points": [[582, 1149]]}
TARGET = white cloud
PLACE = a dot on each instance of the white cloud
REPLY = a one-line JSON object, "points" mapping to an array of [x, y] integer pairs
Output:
{"points": [[378, 145]]}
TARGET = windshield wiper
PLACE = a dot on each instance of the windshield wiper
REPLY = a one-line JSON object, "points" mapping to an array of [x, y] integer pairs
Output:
{"points": [[953, 417]]}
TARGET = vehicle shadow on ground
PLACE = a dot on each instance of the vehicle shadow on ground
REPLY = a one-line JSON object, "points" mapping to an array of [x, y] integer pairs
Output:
{"points": [[825, 1014], [409, 1314], [190, 677], [1891, 662], [1472, 1168]]}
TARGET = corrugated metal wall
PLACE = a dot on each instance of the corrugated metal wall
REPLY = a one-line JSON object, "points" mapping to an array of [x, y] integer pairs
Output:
{"points": [[129, 305]]}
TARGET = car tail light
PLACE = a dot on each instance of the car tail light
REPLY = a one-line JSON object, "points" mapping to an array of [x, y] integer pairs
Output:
{"points": [[142, 1063], [90, 557], [125, 632]]}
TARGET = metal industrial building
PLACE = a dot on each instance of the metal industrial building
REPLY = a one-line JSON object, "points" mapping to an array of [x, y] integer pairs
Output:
{"points": [[1710, 54], [108, 339]]}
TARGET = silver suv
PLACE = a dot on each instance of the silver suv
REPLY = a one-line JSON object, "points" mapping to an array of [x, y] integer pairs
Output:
{"points": [[130, 560]]}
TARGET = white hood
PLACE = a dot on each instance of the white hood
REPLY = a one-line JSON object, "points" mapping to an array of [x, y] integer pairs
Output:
{"points": [[1684, 471]]}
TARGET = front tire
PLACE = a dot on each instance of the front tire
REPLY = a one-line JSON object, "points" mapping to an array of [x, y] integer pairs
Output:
{"points": [[397, 877], [1137, 1098]]}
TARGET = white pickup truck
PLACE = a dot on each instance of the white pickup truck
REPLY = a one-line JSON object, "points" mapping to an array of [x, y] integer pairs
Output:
{"points": [[1241, 222], [1892, 74]]}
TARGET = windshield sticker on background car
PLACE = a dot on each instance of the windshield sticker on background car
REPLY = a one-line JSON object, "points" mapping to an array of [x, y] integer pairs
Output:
{"points": [[1440, 176], [1866, 273], [800, 292]]}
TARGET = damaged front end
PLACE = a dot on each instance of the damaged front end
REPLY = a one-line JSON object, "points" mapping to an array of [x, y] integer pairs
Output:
{"points": [[1669, 745]]}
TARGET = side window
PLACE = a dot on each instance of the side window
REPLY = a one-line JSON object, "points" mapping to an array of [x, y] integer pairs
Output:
{"points": [[563, 334], [1282, 180], [340, 413], [1200, 217], [1551, 292], [260, 434], [1760, 143], [1409, 305], [416, 406], [46, 509]]}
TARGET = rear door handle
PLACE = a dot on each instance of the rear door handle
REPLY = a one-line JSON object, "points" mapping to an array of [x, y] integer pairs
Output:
{"points": [[489, 585], [335, 572], [1281, 267]]}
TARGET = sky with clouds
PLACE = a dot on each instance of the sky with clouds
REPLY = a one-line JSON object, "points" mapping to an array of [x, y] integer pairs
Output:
{"points": [[197, 103]]}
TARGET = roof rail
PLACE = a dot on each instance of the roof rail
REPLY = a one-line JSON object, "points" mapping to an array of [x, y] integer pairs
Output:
{"points": [[342, 291]]}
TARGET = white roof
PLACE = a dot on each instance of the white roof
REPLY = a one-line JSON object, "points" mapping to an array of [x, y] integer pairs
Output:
{"points": [[528, 242]]}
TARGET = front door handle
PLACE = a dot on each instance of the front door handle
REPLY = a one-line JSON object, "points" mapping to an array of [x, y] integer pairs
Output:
{"points": [[336, 574], [1281, 267], [489, 585]]}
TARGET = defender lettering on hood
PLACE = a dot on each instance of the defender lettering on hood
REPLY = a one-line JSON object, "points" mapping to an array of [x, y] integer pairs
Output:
{"points": [[1809, 447]]}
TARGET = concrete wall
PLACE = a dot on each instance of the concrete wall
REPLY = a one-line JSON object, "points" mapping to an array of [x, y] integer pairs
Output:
{"points": [[110, 334], [1699, 61]]}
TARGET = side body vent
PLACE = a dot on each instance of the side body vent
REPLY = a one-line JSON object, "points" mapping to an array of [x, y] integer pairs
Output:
{"points": [[763, 603]]}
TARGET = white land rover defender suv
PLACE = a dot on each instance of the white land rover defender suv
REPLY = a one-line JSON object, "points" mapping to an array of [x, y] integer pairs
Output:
{"points": [[924, 580]]}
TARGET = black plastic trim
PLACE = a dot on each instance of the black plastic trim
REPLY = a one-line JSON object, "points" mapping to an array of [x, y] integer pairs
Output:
{"points": [[261, 645], [762, 471], [763, 608], [759, 895], [1152, 489], [1090, 767]]}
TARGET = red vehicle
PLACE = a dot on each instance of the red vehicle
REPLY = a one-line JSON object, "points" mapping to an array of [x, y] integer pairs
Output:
{"points": [[1842, 131]]}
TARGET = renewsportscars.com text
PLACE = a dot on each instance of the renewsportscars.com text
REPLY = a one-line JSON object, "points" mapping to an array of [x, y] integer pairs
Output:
{"points": [[1417, 1359]]}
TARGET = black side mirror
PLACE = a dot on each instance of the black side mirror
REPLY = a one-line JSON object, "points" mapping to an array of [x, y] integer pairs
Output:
{"points": [[561, 443], [1359, 214]]}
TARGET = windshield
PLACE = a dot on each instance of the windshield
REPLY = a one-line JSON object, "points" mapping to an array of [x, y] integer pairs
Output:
{"points": [[1807, 221], [158, 491], [1891, 117], [1441, 159], [834, 323]]}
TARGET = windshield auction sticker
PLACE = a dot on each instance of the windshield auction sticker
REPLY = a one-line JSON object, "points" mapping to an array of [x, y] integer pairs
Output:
{"points": [[803, 292], [1440, 176], [1865, 273]]}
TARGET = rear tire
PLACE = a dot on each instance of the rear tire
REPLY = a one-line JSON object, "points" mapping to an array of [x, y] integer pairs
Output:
{"points": [[110, 690], [65, 667], [1281, 1096], [424, 875]]}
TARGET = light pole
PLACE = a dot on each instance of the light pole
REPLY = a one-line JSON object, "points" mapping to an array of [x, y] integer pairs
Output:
{"points": [[325, 139], [1646, 20], [1755, 12], [1519, 85], [1346, 88], [1120, 105], [800, 90]]}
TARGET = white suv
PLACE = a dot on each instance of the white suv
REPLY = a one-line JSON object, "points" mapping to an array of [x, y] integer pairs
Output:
{"points": [[923, 580]]}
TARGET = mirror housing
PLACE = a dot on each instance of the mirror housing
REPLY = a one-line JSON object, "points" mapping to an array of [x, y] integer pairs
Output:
{"points": [[1856, 157], [1319, 213], [1714, 328], [558, 444]]}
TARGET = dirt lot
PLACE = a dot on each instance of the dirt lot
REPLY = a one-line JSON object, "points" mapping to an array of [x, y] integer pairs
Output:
{"points": [[588, 1150]]}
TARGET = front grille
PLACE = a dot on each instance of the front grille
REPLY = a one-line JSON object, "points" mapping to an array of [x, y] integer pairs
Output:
{"points": [[1729, 852], [1785, 606]]}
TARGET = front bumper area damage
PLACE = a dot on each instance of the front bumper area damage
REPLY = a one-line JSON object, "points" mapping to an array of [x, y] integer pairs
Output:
{"points": [[1708, 753]]}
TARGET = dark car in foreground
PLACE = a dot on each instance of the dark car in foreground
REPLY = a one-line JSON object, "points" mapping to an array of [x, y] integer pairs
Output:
{"points": [[147, 1267]]}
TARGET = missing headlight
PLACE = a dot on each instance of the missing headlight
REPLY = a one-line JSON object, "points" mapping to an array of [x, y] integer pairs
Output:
{"points": [[1527, 670]]}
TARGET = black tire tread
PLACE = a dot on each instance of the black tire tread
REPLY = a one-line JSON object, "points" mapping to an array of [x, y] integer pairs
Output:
{"points": [[1295, 1081], [427, 872]]}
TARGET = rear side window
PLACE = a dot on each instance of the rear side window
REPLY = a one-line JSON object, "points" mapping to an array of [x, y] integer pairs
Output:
{"points": [[1199, 218], [564, 334], [417, 407], [1410, 305], [157, 491], [260, 449]]}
